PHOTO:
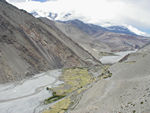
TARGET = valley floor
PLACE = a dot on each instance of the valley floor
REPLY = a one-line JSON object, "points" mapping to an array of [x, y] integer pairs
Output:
{"points": [[127, 91], [27, 96]]}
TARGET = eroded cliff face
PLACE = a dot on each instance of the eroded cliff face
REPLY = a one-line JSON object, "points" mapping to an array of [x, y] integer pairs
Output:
{"points": [[28, 46]]}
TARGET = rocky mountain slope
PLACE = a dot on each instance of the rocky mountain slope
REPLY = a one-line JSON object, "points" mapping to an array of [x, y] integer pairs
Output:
{"points": [[78, 36], [28, 46], [127, 91], [97, 38]]}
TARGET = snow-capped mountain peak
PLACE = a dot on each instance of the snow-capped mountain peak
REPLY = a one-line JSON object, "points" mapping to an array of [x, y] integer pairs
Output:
{"points": [[136, 31], [120, 29], [52, 15], [53, 10], [127, 29]]}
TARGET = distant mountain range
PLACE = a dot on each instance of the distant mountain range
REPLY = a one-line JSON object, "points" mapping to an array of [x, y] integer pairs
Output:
{"points": [[70, 16], [92, 28], [120, 29], [97, 39], [106, 39]]}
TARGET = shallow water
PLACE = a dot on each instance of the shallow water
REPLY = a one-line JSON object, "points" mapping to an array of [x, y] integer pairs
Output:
{"points": [[114, 59]]}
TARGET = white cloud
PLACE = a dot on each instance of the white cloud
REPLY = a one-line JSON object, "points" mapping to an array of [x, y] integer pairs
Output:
{"points": [[135, 30], [131, 12]]}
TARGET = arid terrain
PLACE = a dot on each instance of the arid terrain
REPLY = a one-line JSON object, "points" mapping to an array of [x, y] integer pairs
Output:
{"points": [[127, 91], [70, 66]]}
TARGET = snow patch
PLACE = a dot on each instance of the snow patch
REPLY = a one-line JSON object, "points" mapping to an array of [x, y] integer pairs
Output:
{"points": [[136, 31]]}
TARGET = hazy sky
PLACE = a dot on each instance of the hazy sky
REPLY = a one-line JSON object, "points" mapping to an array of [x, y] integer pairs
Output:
{"points": [[123, 12]]}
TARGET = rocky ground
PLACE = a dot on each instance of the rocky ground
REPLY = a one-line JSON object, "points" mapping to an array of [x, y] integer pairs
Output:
{"points": [[127, 91], [29, 46], [28, 95]]}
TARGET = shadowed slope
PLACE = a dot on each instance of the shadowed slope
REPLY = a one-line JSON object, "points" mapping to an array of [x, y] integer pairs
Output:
{"points": [[28, 46]]}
